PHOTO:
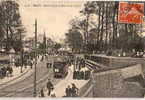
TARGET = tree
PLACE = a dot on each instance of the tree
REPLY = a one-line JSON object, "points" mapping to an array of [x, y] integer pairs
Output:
{"points": [[109, 31], [74, 39], [10, 23], [99, 28]]}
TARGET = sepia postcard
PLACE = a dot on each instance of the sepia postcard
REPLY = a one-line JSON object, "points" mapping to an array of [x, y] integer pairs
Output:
{"points": [[72, 49]]}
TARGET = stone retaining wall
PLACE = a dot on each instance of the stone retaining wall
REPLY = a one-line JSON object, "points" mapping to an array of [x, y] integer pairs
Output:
{"points": [[112, 84]]}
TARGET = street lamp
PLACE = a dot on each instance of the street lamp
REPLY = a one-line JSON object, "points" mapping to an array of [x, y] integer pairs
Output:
{"points": [[34, 92]]}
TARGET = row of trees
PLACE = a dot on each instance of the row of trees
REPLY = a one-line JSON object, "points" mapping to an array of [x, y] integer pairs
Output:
{"points": [[97, 29], [11, 28]]}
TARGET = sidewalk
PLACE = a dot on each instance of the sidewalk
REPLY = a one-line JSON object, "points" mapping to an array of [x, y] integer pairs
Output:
{"points": [[17, 75], [59, 89]]}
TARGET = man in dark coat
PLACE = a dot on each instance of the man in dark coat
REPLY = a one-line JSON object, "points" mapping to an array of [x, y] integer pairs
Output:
{"points": [[50, 87], [68, 91], [42, 93], [74, 90]]}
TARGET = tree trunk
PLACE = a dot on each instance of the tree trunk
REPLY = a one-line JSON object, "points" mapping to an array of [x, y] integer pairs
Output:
{"points": [[102, 27]]}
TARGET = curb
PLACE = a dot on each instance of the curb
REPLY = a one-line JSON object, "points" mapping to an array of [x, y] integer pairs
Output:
{"points": [[14, 78], [5, 83]]}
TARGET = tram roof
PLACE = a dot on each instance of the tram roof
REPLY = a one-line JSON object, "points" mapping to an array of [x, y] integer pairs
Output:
{"points": [[60, 59]]}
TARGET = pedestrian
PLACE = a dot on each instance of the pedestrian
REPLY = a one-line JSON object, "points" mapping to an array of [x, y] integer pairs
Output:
{"points": [[42, 93], [7, 73], [87, 75], [50, 87], [68, 91], [4, 71], [82, 74], [0, 73], [74, 90], [77, 74], [11, 71], [31, 64]]}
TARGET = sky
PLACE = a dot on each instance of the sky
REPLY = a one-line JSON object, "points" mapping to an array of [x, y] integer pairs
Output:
{"points": [[51, 16]]}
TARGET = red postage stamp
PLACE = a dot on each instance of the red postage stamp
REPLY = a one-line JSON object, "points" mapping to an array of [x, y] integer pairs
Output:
{"points": [[131, 13]]}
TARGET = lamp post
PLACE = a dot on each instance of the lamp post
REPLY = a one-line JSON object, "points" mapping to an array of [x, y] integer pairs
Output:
{"points": [[21, 53], [34, 92]]}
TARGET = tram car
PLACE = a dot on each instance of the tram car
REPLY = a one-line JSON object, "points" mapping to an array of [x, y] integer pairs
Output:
{"points": [[60, 67]]}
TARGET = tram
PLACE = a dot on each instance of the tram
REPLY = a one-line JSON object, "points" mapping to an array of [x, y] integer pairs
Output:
{"points": [[60, 67]]}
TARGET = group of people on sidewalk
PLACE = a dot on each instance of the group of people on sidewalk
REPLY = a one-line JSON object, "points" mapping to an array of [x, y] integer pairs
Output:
{"points": [[6, 72], [71, 91], [81, 75]]}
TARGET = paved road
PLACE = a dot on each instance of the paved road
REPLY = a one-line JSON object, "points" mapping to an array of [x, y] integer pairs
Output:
{"points": [[24, 88]]}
